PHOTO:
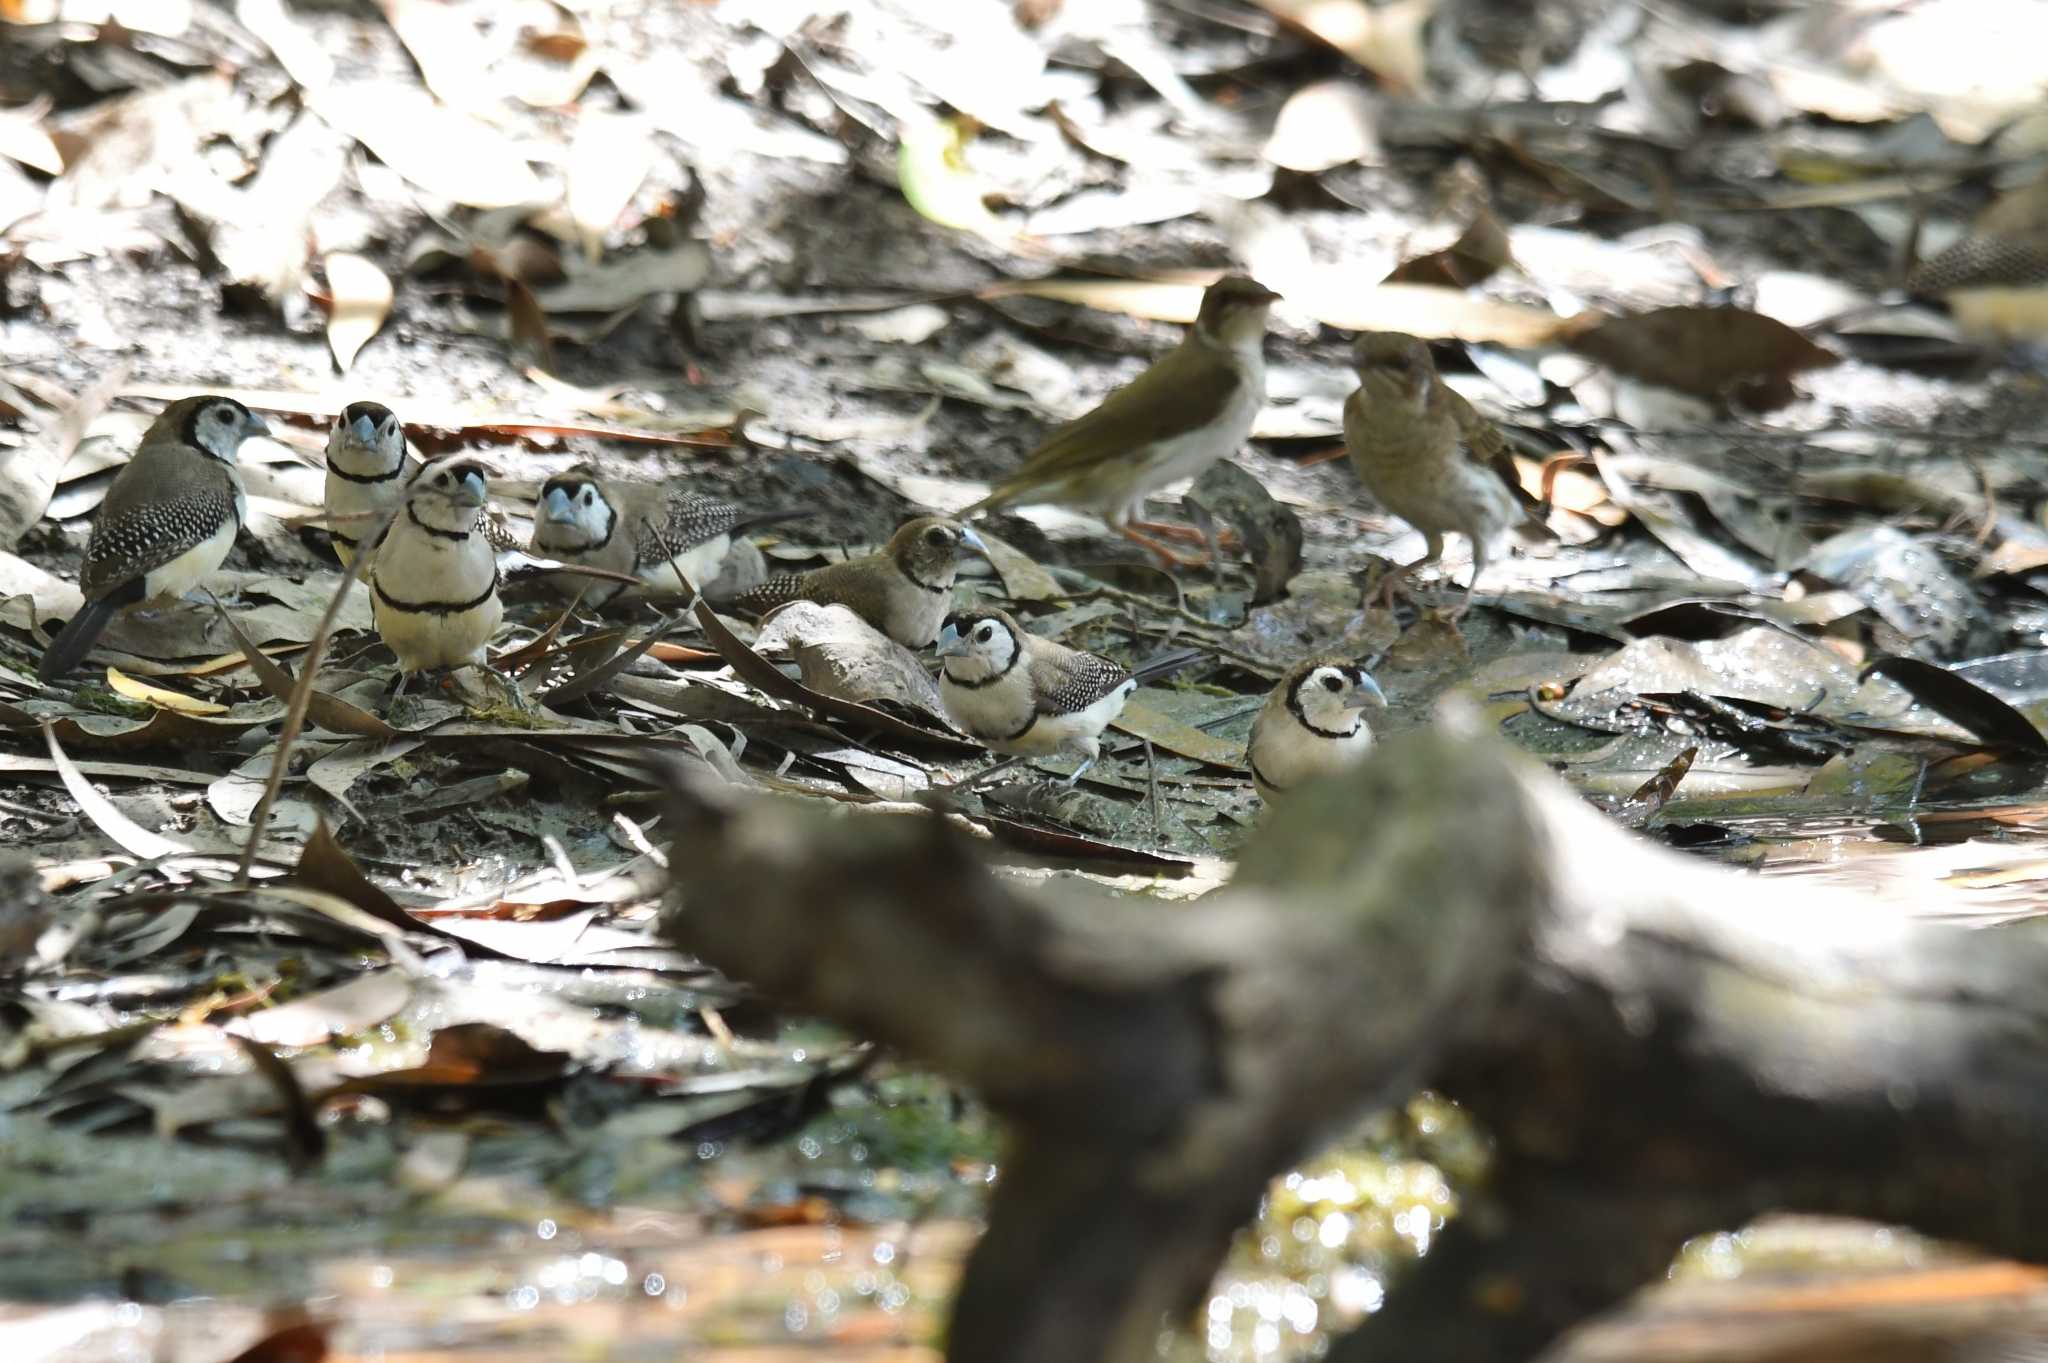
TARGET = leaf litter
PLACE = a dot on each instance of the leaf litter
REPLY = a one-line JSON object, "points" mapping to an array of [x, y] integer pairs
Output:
{"points": [[785, 257]]}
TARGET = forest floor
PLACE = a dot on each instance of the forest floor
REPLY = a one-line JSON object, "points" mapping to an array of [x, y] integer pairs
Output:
{"points": [[508, 1117]]}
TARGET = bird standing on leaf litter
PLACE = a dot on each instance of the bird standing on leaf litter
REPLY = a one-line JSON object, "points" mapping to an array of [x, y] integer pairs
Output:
{"points": [[904, 589], [1192, 408], [1310, 725], [636, 527], [434, 580], [1995, 279], [1025, 696], [1428, 457], [166, 524], [367, 473]]}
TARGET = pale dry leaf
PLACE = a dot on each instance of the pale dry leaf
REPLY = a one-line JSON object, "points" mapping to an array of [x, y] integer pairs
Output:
{"points": [[301, 54], [1384, 39], [932, 170], [23, 139], [125, 832], [344, 1010], [609, 160], [552, 69], [447, 47], [1330, 123], [629, 279], [161, 697], [30, 474], [841, 655], [362, 300], [261, 233], [443, 151], [28, 593]]}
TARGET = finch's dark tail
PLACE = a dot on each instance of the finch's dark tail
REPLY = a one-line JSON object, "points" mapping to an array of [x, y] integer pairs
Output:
{"points": [[1165, 664], [75, 640]]}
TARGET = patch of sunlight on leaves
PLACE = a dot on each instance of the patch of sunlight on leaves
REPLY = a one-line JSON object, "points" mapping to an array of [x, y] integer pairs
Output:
{"points": [[1336, 1230]]}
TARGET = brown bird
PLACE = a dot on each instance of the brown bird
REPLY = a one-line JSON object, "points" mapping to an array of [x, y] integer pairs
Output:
{"points": [[1428, 457], [1995, 280], [903, 589], [166, 524], [1190, 409]]}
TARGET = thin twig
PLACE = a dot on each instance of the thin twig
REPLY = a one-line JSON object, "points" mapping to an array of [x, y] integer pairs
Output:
{"points": [[302, 696]]}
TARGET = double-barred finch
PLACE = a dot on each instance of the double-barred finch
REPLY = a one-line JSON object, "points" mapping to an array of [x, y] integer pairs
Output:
{"points": [[1025, 696], [636, 528], [367, 472], [167, 521], [1310, 725], [434, 580], [904, 589], [1192, 408], [1428, 457], [1995, 280]]}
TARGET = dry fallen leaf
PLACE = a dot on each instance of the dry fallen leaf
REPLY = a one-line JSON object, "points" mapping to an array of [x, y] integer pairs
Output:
{"points": [[1715, 353], [161, 698], [1384, 39], [451, 54], [610, 158], [22, 138], [437, 148], [361, 301], [628, 279], [931, 167], [1330, 123], [125, 832]]}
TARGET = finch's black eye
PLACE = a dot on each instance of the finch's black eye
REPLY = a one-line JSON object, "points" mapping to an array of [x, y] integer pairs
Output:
{"points": [[1332, 684], [937, 537], [986, 632]]}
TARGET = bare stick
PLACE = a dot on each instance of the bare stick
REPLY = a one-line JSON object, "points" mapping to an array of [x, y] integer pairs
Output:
{"points": [[302, 696]]}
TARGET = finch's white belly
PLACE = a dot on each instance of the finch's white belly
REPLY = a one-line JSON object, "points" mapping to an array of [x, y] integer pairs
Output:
{"points": [[368, 500], [443, 576], [190, 568], [424, 639], [1079, 732]]}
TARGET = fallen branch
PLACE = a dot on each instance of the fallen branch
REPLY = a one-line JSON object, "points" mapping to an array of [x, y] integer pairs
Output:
{"points": [[1659, 1047]]}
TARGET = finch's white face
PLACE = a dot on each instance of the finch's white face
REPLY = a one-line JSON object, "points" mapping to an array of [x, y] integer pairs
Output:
{"points": [[1327, 696], [976, 647], [220, 425], [366, 440], [574, 515], [448, 495]]}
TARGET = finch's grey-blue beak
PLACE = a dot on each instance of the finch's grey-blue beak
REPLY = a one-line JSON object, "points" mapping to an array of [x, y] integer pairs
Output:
{"points": [[951, 645], [254, 426], [365, 429], [970, 540], [469, 488], [1367, 692], [560, 510]]}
